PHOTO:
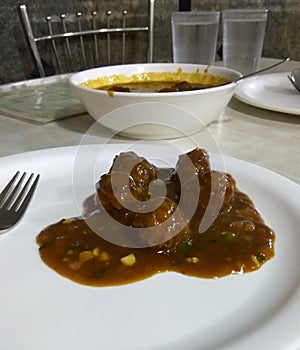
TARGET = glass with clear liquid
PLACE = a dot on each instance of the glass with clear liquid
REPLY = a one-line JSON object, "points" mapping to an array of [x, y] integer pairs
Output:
{"points": [[243, 38], [194, 36]]}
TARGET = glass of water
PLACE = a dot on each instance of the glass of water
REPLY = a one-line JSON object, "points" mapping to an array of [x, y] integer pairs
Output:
{"points": [[194, 36], [243, 38]]}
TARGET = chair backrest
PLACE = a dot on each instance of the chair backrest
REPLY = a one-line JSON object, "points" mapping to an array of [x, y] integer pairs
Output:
{"points": [[77, 40]]}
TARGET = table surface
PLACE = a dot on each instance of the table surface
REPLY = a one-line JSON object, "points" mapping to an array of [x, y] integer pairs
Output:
{"points": [[269, 139]]}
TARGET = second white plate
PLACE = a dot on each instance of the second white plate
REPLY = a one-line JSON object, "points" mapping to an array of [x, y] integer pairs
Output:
{"points": [[270, 91]]}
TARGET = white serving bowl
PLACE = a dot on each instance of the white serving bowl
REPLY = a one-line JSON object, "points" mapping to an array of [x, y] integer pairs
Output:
{"points": [[154, 115]]}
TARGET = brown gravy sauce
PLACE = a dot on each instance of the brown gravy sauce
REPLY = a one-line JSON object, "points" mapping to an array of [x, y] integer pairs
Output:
{"points": [[152, 82], [237, 242], [156, 86]]}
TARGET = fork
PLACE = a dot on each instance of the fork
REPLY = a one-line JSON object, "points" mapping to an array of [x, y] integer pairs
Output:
{"points": [[15, 198]]}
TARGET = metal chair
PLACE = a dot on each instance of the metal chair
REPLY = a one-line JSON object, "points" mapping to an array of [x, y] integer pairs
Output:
{"points": [[88, 37]]}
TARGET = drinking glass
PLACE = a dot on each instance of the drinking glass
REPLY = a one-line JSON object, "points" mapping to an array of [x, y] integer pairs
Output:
{"points": [[194, 36], [243, 38]]}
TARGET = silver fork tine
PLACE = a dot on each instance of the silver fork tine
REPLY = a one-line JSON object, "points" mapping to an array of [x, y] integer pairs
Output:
{"points": [[27, 198], [12, 194], [15, 199], [18, 199], [7, 187]]}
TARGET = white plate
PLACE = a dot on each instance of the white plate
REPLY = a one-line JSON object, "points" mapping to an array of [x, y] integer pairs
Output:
{"points": [[42, 310], [270, 91]]}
